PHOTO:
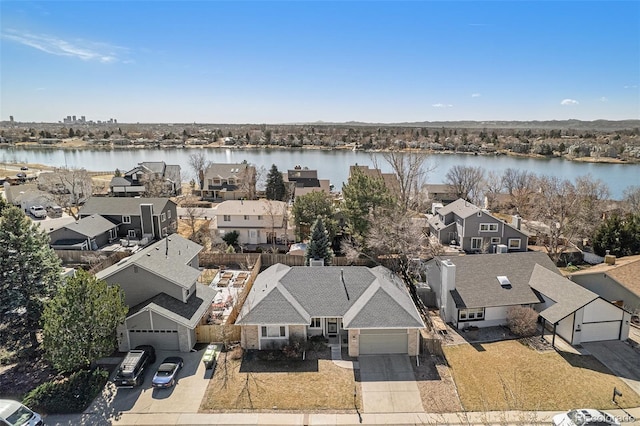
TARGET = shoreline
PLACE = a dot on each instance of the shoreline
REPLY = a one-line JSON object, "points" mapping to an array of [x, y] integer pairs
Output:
{"points": [[85, 146]]}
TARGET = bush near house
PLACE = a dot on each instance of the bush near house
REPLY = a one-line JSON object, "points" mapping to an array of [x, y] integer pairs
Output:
{"points": [[72, 394], [522, 321]]}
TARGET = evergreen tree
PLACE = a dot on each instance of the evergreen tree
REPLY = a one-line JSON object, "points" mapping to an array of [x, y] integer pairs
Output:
{"points": [[319, 247], [30, 272], [363, 195], [618, 234], [307, 208], [79, 323], [275, 185]]}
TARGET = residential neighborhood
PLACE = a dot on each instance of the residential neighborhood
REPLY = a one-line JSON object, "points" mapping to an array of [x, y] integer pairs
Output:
{"points": [[296, 278]]}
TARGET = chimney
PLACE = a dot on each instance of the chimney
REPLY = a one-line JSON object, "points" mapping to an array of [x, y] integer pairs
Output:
{"points": [[448, 277], [609, 259], [516, 221]]}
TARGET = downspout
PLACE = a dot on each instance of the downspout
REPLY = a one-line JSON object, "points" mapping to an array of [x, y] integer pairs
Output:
{"points": [[553, 339]]}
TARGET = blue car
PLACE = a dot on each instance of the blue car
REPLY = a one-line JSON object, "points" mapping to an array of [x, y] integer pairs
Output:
{"points": [[165, 377]]}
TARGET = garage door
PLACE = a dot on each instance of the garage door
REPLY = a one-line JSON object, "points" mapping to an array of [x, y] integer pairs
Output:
{"points": [[597, 331], [374, 342], [159, 339]]}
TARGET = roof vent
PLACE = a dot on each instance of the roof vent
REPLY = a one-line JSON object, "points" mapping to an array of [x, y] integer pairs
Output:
{"points": [[504, 281]]}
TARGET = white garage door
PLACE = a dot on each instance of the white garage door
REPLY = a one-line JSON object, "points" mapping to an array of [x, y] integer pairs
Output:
{"points": [[374, 342], [159, 339], [597, 331]]}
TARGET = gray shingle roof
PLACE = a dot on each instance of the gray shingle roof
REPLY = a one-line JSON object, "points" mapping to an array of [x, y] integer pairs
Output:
{"points": [[460, 207], [292, 295], [126, 206], [171, 265], [187, 314], [91, 226], [154, 166], [477, 284], [119, 181], [172, 173], [569, 296], [225, 170]]}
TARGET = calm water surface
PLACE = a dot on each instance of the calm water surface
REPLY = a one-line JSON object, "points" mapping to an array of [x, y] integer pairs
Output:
{"points": [[332, 165]]}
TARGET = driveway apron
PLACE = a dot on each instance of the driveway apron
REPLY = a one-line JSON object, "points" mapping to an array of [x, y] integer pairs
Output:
{"points": [[620, 358], [389, 385]]}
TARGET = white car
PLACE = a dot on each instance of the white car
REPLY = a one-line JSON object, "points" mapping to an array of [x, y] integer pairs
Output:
{"points": [[585, 417], [13, 413], [38, 211]]}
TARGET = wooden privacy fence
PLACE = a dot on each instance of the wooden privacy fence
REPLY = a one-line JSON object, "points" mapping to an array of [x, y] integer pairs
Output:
{"points": [[217, 333], [208, 260]]}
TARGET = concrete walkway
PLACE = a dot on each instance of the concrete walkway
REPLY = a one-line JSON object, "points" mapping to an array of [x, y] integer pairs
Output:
{"points": [[299, 419], [336, 357], [388, 385]]}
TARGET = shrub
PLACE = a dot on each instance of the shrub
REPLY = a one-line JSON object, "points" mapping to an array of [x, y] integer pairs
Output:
{"points": [[522, 321], [70, 395], [236, 353], [294, 348]]}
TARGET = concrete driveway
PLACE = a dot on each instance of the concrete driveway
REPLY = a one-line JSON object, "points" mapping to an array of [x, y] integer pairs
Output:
{"points": [[389, 385], [184, 397], [620, 358]]}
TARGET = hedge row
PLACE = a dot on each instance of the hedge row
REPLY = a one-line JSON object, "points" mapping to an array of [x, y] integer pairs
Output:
{"points": [[70, 395]]}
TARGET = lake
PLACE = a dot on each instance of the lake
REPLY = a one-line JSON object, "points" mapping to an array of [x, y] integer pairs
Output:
{"points": [[331, 164]]}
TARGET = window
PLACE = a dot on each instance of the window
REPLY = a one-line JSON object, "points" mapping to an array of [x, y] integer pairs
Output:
{"points": [[476, 243], [479, 214], [246, 217], [126, 219], [164, 232], [259, 217], [231, 181], [163, 217], [488, 227], [216, 181], [315, 323], [168, 214], [273, 331], [131, 233], [514, 243], [112, 234], [495, 240], [471, 314], [227, 218]]}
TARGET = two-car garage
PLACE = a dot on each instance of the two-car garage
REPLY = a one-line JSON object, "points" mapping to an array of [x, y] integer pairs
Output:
{"points": [[383, 341]]}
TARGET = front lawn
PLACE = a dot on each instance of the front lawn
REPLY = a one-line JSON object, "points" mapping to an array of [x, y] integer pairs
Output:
{"points": [[510, 376], [255, 384]]}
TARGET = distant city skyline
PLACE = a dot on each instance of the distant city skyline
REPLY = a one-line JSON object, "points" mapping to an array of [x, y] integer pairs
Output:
{"points": [[292, 62]]}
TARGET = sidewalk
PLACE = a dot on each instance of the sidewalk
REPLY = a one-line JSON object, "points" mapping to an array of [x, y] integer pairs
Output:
{"points": [[301, 419]]}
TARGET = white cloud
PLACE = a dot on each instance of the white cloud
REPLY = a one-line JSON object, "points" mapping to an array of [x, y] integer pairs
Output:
{"points": [[632, 86], [604, 99], [442, 105], [569, 102], [475, 95], [81, 49]]}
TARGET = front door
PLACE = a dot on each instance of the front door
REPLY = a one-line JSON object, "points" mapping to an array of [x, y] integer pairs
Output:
{"points": [[332, 326]]}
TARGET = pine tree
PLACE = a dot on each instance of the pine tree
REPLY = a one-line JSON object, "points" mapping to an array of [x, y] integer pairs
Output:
{"points": [[319, 247], [275, 185], [79, 323], [29, 271]]}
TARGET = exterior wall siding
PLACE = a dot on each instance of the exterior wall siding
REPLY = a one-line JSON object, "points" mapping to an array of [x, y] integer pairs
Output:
{"points": [[249, 337], [414, 342], [186, 338], [142, 285], [162, 323], [608, 289], [298, 331]]}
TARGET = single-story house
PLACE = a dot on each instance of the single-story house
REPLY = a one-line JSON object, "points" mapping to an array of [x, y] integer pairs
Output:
{"points": [[478, 290], [89, 233], [165, 301], [617, 282], [367, 309]]}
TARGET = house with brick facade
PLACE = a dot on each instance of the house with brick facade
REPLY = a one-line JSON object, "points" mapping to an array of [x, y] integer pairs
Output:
{"points": [[369, 310]]}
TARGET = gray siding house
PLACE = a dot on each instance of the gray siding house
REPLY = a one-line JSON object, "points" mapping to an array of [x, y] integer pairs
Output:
{"points": [[137, 218], [475, 230], [165, 301], [148, 178], [89, 233]]}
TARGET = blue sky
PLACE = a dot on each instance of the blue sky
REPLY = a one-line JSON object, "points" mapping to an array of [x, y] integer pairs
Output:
{"points": [[281, 62]]}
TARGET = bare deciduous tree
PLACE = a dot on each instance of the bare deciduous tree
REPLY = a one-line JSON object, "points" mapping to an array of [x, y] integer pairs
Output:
{"points": [[466, 181], [248, 181], [631, 198], [411, 172], [199, 163], [521, 185], [592, 196], [492, 186], [68, 188]]}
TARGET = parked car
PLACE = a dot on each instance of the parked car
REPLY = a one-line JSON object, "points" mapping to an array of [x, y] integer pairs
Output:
{"points": [[13, 413], [165, 377], [132, 368], [150, 350], [54, 211], [38, 211], [585, 417], [21, 175], [24, 168]]}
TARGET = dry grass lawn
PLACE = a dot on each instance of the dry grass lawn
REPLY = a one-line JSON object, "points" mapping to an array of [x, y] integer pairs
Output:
{"points": [[280, 385], [508, 375]]}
